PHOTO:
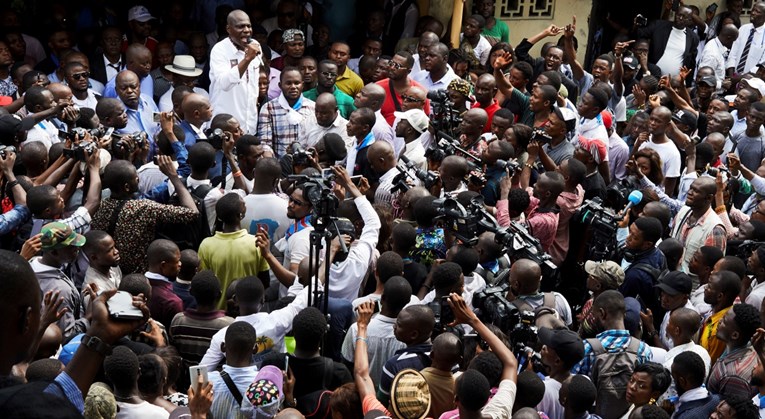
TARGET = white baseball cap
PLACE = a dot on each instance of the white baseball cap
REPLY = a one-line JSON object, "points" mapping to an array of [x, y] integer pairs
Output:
{"points": [[417, 119], [757, 84], [140, 14]]}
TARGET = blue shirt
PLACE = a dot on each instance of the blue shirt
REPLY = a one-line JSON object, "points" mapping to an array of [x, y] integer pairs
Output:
{"points": [[14, 218], [142, 119], [64, 387], [147, 88], [490, 192], [613, 341], [415, 357]]}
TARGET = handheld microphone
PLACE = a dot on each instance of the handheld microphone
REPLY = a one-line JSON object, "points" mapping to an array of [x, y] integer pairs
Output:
{"points": [[249, 40], [634, 199]]}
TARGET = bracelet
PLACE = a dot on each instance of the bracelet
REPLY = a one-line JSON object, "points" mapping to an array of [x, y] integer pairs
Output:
{"points": [[721, 209], [12, 184], [238, 173], [359, 338], [529, 165]]}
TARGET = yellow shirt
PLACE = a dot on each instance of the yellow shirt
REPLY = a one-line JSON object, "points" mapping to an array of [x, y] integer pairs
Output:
{"points": [[231, 256], [349, 82], [708, 339]]}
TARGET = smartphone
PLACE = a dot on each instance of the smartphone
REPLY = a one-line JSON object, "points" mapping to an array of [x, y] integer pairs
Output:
{"points": [[356, 180], [286, 363], [641, 21], [157, 116], [447, 315], [675, 5], [195, 372], [712, 8], [326, 173], [121, 307]]}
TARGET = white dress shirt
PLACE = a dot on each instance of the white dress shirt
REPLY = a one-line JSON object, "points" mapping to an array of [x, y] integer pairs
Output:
{"points": [[112, 72], [310, 134], [423, 77], [166, 100], [231, 93], [714, 56], [345, 277], [756, 49], [415, 152], [44, 132]]}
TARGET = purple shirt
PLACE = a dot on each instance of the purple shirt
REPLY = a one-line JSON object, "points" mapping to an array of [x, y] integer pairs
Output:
{"points": [[164, 304]]}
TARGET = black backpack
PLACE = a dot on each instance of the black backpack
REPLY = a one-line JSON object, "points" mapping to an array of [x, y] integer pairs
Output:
{"points": [[315, 405], [188, 235]]}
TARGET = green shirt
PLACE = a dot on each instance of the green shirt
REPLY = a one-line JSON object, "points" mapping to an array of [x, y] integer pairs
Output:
{"points": [[499, 33], [344, 102]]}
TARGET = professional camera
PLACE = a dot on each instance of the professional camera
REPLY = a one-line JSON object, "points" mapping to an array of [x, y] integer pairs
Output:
{"points": [[618, 192], [318, 191], [461, 221], [518, 243], [540, 136], [744, 248], [603, 223], [300, 157], [101, 131], [216, 137], [444, 118], [72, 134], [491, 306], [79, 150], [510, 166], [5, 149], [439, 150], [139, 139]]}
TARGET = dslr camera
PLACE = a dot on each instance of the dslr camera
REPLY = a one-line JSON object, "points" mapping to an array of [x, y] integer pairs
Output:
{"points": [[216, 137], [79, 150], [139, 139]]}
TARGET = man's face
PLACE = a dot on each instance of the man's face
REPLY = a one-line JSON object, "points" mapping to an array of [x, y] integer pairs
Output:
{"points": [[327, 75], [119, 119], [536, 102], [741, 102], [240, 29], [198, 49], [362, 98], [754, 119], [424, 46], [296, 48], [517, 78], [657, 123], [683, 17], [77, 78], [553, 59], [49, 100], [140, 28], [542, 187], [470, 125], [490, 153], [111, 41], [601, 70], [6, 59], [671, 302], [59, 41], [723, 411], [758, 15], [165, 54], [292, 85], [397, 68], [326, 113], [402, 128], [413, 99], [298, 207], [109, 254], [340, 54], [433, 59], [354, 128], [16, 44], [308, 70], [485, 90], [727, 327], [129, 90], [381, 70], [499, 125], [471, 28], [704, 91], [372, 48], [486, 8], [635, 240], [172, 266], [696, 196], [555, 127], [287, 14], [141, 64], [587, 107], [712, 290]]}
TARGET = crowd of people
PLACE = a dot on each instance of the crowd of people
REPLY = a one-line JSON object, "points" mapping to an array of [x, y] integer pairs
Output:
{"points": [[261, 209]]}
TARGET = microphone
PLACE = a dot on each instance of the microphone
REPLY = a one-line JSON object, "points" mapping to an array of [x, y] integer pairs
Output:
{"points": [[634, 199], [249, 40]]}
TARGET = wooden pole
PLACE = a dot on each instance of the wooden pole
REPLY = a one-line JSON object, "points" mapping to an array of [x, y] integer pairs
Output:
{"points": [[456, 28]]}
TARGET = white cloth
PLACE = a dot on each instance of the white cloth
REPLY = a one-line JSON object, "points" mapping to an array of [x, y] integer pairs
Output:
{"points": [[383, 131], [482, 50], [231, 93], [112, 72], [593, 128], [670, 156], [713, 56], [141, 410], [268, 211], [415, 152], [756, 401], [665, 338], [44, 132], [423, 77], [501, 405], [294, 250], [271, 328], [310, 134], [756, 296], [756, 48], [89, 102], [345, 277], [383, 194], [672, 59], [149, 176], [166, 100], [224, 404], [550, 403], [381, 344], [672, 353], [697, 299]]}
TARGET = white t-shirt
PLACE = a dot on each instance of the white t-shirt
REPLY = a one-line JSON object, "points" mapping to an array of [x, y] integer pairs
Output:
{"points": [[143, 410], [670, 156], [269, 211], [295, 250], [550, 403], [672, 59]]}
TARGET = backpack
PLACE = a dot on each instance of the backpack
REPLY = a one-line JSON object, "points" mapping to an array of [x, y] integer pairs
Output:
{"points": [[315, 405], [188, 235], [545, 315], [611, 374]]}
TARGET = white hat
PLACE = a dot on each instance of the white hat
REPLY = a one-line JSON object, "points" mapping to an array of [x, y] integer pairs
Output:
{"points": [[140, 14], [757, 84], [417, 119], [185, 65]]}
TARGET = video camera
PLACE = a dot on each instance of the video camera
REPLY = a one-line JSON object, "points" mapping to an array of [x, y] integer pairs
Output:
{"points": [[139, 139], [300, 157], [444, 118], [428, 178], [539, 135], [491, 306], [603, 223], [318, 191], [746, 248], [79, 150]]}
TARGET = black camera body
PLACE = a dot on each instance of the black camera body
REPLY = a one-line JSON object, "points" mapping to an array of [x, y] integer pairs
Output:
{"points": [[541, 136], [139, 139], [603, 223], [216, 137], [79, 150], [5, 149], [300, 157], [444, 118]]}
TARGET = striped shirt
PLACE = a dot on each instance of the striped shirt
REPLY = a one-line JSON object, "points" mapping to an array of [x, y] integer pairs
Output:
{"points": [[416, 357], [732, 372], [192, 331], [613, 341]]}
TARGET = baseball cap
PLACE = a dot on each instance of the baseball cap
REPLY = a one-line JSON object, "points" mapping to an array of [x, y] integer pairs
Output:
{"points": [[595, 147], [417, 119], [566, 343], [57, 235], [686, 118], [10, 125], [632, 315], [709, 80], [566, 115], [630, 62], [676, 282], [757, 84], [410, 395], [291, 35], [608, 271], [139, 13], [266, 389]]}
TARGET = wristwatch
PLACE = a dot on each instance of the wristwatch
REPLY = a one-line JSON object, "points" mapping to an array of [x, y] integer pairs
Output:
{"points": [[96, 344]]}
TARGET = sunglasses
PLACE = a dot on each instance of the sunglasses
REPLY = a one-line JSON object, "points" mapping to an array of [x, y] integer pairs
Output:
{"points": [[328, 74], [79, 76], [406, 98]]}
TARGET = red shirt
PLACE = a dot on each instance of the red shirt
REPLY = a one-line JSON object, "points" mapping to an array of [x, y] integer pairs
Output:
{"points": [[389, 107], [491, 110]]}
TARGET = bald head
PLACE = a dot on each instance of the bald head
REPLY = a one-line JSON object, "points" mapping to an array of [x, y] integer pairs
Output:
{"points": [[381, 156], [707, 185], [289, 414], [60, 91], [138, 59], [447, 350], [429, 38], [235, 16], [196, 109], [525, 276], [327, 100], [374, 96], [662, 112], [686, 320], [417, 93], [419, 320], [473, 121]]}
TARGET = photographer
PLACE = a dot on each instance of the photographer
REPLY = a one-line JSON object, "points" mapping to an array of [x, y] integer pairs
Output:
{"points": [[542, 212], [496, 150], [452, 173], [170, 142], [471, 128], [525, 279]]}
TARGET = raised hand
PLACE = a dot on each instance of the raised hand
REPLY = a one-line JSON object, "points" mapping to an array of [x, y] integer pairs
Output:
{"points": [[462, 313], [503, 60], [570, 29], [621, 46], [365, 311], [52, 311]]}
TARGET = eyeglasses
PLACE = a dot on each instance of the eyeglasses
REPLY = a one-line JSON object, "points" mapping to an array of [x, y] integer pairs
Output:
{"points": [[395, 65], [78, 76], [328, 74], [406, 98]]}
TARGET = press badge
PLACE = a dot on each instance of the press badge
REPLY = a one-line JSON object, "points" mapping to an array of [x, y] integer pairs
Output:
{"points": [[234, 62]]}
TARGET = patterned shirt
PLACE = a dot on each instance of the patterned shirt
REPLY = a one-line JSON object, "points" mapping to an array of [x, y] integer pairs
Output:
{"points": [[613, 341], [135, 227], [708, 338], [7, 87], [275, 129], [732, 372]]}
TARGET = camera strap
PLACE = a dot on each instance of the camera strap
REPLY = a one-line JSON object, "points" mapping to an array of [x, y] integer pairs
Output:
{"points": [[393, 95]]}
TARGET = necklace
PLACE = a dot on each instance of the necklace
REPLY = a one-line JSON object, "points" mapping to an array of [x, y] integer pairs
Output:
{"points": [[124, 399]]}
